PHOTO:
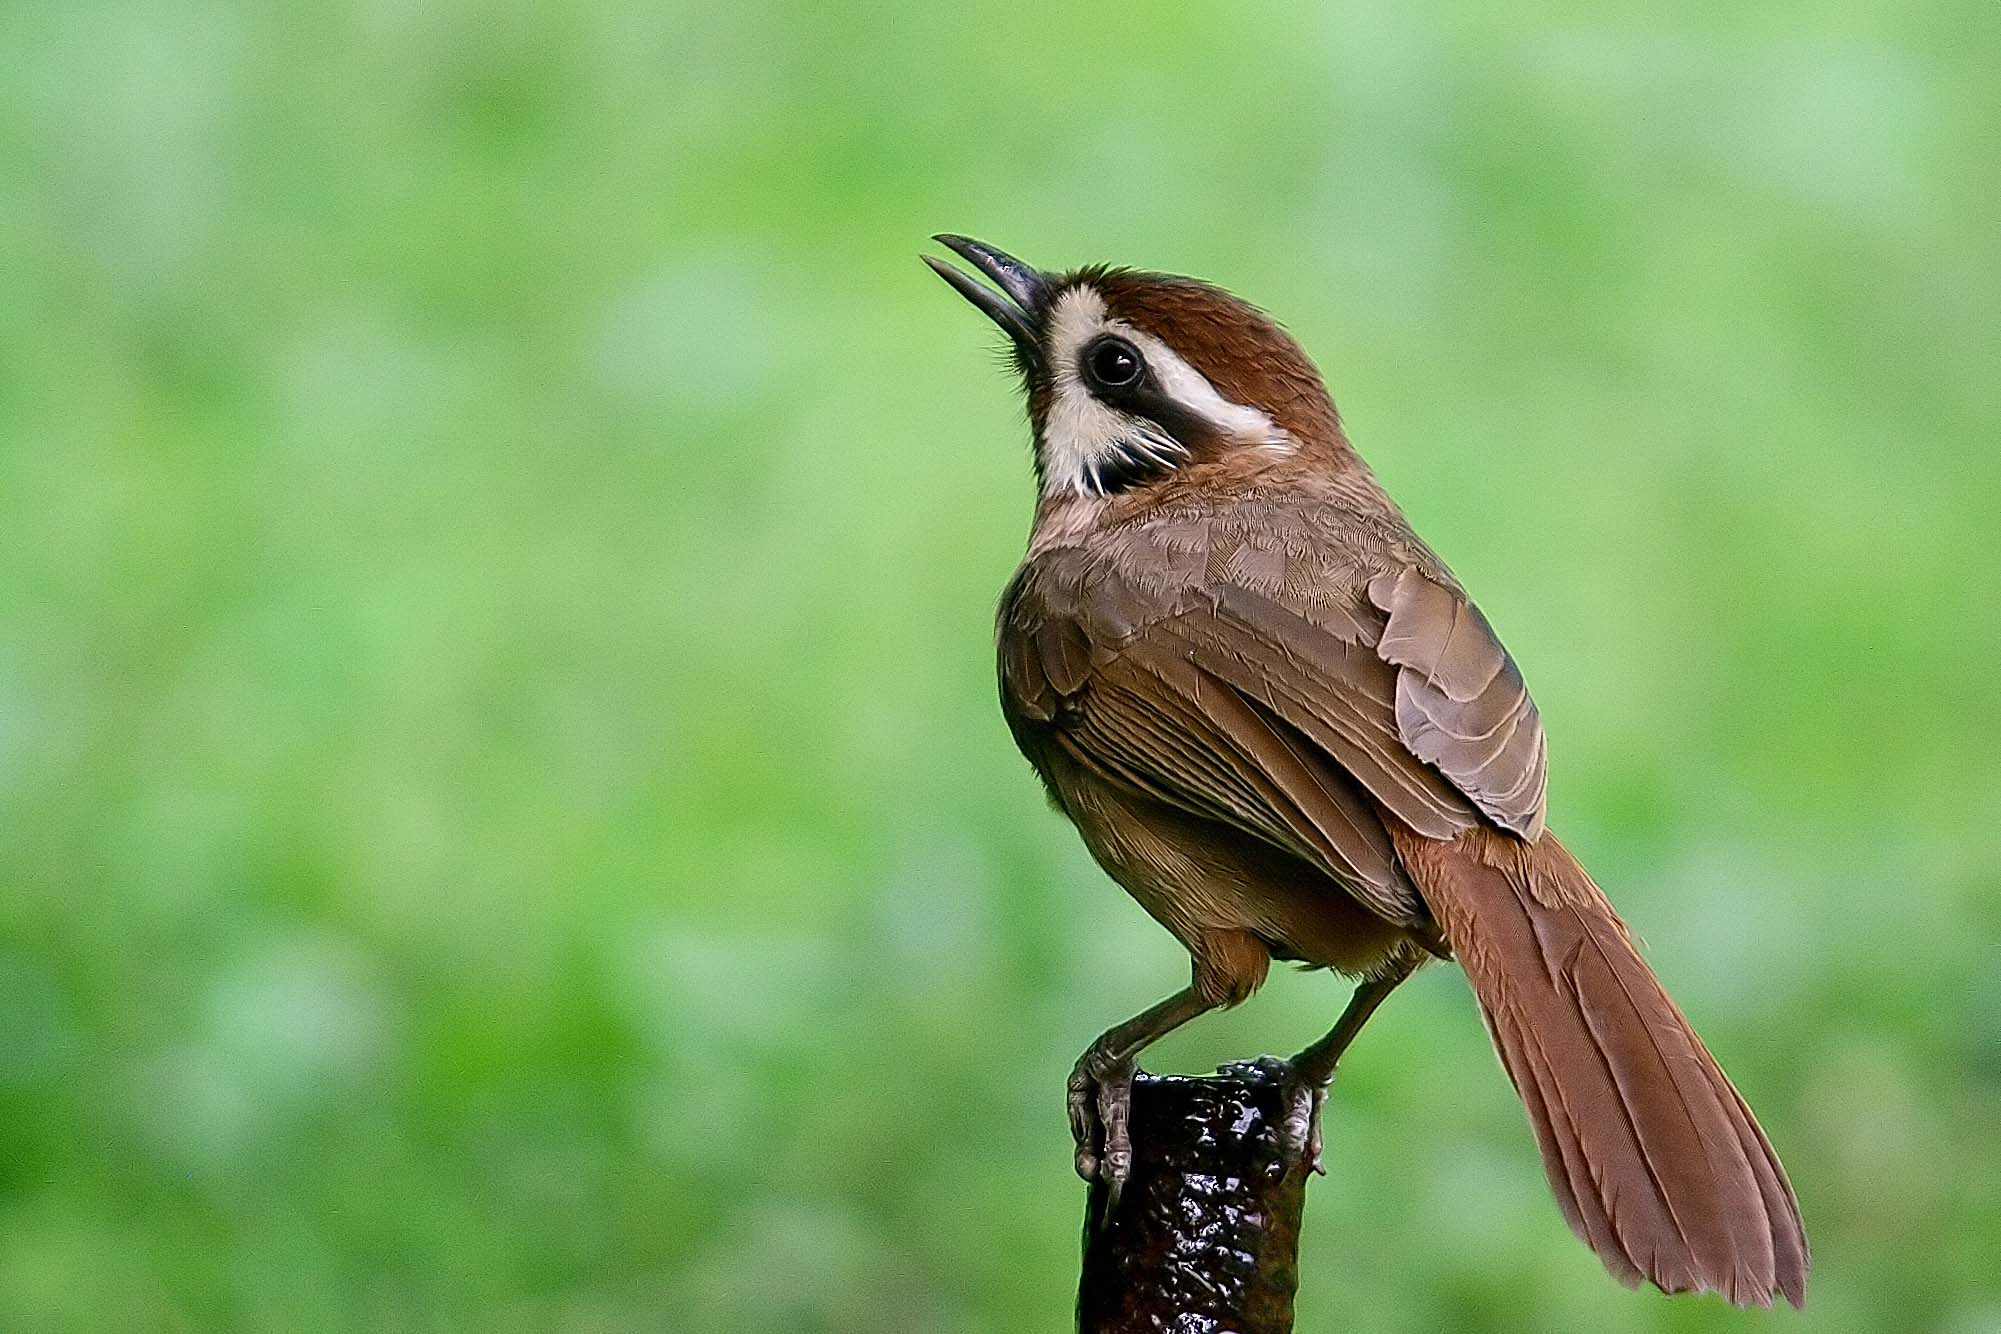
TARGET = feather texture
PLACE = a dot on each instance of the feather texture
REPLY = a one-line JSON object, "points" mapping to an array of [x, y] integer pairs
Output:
{"points": [[1461, 703], [1280, 722], [1655, 1161]]}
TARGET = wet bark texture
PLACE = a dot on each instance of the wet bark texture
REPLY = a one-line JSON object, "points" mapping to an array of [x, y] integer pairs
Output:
{"points": [[1206, 1236]]}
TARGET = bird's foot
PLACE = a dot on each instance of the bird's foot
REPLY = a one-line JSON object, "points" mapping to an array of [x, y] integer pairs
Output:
{"points": [[1301, 1101], [1100, 1094]]}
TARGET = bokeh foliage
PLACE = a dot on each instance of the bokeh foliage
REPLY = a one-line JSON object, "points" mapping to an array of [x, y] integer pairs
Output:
{"points": [[503, 821]]}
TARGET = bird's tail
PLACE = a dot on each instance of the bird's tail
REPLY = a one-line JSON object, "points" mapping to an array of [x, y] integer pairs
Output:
{"points": [[1655, 1160]]}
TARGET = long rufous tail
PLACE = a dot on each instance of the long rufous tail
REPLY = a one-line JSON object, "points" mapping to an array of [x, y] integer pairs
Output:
{"points": [[1654, 1158]]}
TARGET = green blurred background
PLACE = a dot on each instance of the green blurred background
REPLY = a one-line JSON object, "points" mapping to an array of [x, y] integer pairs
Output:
{"points": [[503, 819]]}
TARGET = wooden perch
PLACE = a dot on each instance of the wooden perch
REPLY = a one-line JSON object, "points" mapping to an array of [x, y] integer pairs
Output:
{"points": [[1206, 1235]]}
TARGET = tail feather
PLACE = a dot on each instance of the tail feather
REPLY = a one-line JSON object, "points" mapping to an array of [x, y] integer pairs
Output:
{"points": [[1655, 1161], [1790, 1251]]}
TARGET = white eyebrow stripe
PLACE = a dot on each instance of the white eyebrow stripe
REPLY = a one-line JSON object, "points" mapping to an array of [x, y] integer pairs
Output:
{"points": [[1081, 434], [1191, 390]]}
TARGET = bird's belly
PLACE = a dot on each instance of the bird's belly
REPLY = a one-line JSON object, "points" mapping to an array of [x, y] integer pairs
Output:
{"points": [[1199, 877]]}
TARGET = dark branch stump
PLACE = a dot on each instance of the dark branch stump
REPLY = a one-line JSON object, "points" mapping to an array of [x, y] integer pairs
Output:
{"points": [[1206, 1236]]}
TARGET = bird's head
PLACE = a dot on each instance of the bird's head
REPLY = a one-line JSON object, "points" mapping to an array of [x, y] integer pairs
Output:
{"points": [[1135, 379]]}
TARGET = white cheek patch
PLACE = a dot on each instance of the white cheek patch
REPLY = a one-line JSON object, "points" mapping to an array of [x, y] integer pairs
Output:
{"points": [[1082, 436]]}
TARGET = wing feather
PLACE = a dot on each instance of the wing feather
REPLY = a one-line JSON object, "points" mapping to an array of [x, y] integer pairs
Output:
{"points": [[1206, 748], [1243, 673], [1462, 705]]}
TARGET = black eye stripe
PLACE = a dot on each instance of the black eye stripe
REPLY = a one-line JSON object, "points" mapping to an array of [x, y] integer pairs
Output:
{"points": [[1116, 373], [1127, 468]]}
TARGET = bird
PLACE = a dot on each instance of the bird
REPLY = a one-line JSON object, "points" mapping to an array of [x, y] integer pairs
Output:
{"points": [[1278, 720]]}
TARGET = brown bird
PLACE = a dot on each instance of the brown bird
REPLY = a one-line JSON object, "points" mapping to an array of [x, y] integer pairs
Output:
{"points": [[1281, 724]]}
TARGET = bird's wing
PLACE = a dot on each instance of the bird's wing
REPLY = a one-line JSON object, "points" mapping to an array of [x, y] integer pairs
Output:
{"points": [[1244, 674], [1461, 704]]}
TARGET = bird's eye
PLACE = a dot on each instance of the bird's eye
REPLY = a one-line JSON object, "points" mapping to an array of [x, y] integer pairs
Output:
{"points": [[1113, 363]]}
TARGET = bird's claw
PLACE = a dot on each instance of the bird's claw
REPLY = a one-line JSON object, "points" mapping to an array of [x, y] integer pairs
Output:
{"points": [[1100, 1099], [1302, 1101], [1310, 1101]]}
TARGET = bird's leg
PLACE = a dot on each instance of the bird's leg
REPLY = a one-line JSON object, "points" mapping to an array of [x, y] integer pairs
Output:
{"points": [[1312, 1070], [1101, 1088]]}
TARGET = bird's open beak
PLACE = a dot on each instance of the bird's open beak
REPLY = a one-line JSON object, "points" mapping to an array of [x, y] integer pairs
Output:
{"points": [[1016, 308]]}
